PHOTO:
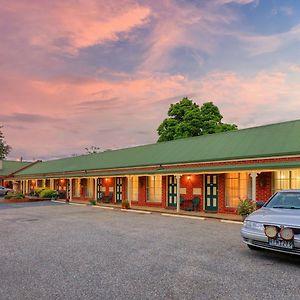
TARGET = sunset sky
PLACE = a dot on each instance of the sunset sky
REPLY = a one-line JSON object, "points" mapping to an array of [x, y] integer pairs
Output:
{"points": [[78, 73]]}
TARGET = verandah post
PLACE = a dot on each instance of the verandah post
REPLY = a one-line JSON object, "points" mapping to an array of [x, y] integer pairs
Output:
{"points": [[178, 192]]}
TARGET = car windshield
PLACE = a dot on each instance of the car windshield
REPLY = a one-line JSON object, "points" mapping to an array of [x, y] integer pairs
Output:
{"points": [[285, 200]]}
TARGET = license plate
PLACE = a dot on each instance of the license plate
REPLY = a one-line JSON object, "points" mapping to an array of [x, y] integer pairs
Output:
{"points": [[281, 243]]}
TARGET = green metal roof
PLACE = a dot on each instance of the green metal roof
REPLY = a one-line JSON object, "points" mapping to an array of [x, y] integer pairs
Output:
{"points": [[9, 167], [188, 170], [279, 139]]}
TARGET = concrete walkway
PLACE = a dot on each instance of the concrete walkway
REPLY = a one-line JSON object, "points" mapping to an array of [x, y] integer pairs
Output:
{"points": [[202, 214]]}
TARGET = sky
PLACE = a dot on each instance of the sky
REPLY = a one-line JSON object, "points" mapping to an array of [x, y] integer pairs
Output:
{"points": [[81, 73]]}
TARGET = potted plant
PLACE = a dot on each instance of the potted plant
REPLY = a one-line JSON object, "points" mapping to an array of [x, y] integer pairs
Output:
{"points": [[245, 208], [125, 204]]}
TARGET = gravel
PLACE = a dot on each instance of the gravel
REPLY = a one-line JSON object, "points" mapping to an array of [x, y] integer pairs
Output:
{"points": [[58, 251]]}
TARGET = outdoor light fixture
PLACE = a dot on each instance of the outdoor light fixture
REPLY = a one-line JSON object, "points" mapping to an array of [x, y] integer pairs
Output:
{"points": [[189, 178], [106, 179]]}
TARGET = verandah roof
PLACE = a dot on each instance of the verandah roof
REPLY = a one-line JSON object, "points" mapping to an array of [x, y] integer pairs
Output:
{"points": [[207, 169], [9, 167], [273, 140]]}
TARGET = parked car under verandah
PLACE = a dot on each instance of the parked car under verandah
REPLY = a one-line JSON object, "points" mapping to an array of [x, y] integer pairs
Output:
{"points": [[276, 225]]}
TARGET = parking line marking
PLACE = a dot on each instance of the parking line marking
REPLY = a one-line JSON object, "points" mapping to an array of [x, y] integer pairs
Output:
{"points": [[104, 207], [182, 216], [231, 222], [136, 211], [78, 204], [61, 202]]}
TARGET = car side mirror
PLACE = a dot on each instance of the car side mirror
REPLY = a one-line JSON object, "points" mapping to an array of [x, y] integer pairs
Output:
{"points": [[259, 204]]}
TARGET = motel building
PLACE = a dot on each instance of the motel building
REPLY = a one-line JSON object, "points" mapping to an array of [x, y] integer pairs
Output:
{"points": [[210, 173]]}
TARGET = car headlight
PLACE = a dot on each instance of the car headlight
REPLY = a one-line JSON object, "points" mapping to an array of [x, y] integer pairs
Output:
{"points": [[254, 225], [287, 233]]}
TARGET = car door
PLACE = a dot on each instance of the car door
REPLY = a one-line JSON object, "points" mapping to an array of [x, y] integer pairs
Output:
{"points": [[1, 190]]}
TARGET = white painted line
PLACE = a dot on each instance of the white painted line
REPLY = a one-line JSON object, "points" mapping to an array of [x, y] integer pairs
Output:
{"points": [[104, 207], [136, 211], [182, 216], [61, 202], [231, 222], [78, 204]]}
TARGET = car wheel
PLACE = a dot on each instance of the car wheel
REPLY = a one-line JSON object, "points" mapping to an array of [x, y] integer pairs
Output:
{"points": [[253, 247]]}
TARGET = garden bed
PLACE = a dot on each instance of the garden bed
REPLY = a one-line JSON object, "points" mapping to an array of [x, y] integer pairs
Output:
{"points": [[26, 199]]}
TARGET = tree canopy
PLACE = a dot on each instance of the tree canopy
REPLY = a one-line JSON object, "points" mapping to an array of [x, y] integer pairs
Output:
{"points": [[187, 119], [4, 148]]}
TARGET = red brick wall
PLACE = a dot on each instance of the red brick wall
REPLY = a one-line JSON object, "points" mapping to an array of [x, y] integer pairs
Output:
{"points": [[264, 186], [142, 190], [189, 182], [124, 188], [107, 183]]}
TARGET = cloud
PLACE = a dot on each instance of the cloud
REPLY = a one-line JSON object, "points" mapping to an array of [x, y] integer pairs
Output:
{"points": [[69, 26], [295, 68], [241, 2], [262, 44], [27, 118]]}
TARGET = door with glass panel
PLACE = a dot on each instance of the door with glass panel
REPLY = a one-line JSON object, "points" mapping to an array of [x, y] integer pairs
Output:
{"points": [[211, 193], [172, 191], [99, 187], [119, 182]]}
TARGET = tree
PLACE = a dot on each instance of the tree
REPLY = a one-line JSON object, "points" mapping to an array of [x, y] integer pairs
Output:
{"points": [[186, 119], [4, 148], [92, 149]]}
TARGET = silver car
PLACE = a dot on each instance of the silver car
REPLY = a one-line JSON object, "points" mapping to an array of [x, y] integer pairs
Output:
{"points": [[4, 191], [276, 225]]}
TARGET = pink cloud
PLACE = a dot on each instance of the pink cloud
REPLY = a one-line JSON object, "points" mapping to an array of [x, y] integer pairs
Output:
{"points": [[73, 25]]}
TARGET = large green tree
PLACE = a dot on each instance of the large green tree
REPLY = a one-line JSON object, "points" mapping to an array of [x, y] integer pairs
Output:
{"points": [[187, 119], [4, 148]]}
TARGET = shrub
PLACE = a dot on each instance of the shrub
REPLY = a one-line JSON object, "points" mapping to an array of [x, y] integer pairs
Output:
{"points": [[47, 193], [14, 195], [245, 207], [38, 191], [93, 202]]}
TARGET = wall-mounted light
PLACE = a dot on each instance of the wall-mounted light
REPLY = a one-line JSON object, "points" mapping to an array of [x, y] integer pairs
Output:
{"points": [[33, 182], [106, 179], [188, 178]]}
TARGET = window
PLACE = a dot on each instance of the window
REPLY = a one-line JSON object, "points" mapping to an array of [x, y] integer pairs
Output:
{"points": [[154, 188], [284, 180], [89, 191], [237, 188], [76, 187], [134, 188]]}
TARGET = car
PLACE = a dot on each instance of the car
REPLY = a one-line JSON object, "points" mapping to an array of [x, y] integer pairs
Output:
{"points": [[4, 190], [276, 225]]}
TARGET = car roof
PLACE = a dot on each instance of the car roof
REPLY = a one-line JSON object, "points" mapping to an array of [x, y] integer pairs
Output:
{"points": [[289, 191]]}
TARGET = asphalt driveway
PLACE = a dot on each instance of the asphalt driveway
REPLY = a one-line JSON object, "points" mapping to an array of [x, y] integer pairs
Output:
{"points": [[58, 251]]}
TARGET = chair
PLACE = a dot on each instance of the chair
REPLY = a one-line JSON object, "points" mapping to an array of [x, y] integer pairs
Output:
{"points": [[108, 199], [195, 204], [181, 200]]}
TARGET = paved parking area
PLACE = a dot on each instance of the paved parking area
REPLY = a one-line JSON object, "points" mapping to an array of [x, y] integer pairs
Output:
{"points": [[58, 251]]}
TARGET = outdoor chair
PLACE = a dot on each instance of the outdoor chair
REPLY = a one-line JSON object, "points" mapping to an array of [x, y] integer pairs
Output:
{"points": [[195, 204], [108, 199], [181, 200]]}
